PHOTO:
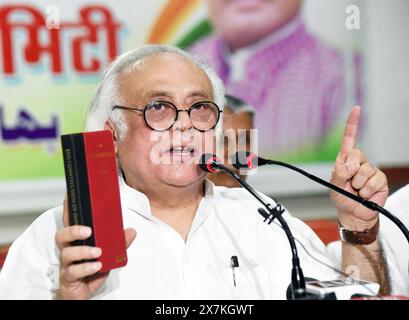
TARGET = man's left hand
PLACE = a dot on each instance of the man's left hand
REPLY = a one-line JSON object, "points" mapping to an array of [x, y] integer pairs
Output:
{"points": [[353, 173]]}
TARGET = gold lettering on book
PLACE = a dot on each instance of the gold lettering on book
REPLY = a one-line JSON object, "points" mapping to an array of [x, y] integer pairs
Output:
{"points": [[71, 187], [100, 155], [120, 258]]}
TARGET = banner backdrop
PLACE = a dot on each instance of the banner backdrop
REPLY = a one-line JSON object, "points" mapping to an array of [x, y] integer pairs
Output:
{"points": [[52, 56], [51, 61]]}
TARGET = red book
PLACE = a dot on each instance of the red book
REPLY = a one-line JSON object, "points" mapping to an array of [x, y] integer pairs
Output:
{"points": [[93, 193]]}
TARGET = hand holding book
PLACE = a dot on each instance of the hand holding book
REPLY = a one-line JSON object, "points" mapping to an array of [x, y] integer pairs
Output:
{"points": [[79, 279], [92, 241]]}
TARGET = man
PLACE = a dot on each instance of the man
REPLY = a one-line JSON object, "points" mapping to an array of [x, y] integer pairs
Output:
{"points": [[265, 55], [238, 123], [188, 229]]}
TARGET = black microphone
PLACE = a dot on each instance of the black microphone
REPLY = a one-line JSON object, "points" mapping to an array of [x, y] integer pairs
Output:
{"points": [[248, 160], [210, 163]]}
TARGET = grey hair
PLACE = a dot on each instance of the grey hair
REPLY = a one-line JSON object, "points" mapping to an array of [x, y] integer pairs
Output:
{"points": [[106, 95], [237, 105]]}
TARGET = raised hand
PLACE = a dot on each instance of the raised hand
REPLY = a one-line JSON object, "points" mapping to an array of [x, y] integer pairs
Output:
{"points": [[353, 173]]}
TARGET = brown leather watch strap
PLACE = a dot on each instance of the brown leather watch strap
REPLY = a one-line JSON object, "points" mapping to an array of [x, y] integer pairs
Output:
{"points": [[365, 237]]}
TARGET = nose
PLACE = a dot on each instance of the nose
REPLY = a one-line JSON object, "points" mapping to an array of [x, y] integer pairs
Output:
{"points": [[183, 122]]}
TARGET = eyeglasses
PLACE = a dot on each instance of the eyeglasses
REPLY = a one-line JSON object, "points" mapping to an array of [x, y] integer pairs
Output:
{"points": [[162, 115]]}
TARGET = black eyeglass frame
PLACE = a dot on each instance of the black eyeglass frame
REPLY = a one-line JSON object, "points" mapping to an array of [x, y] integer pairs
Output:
{"points": [[143, 110]]}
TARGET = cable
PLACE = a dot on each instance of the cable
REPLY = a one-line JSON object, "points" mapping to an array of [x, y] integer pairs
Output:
{"points": [[325, 264], [248, 160]]}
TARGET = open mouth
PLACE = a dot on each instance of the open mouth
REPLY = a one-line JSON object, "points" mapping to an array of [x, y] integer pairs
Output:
{"points": [[182, 151], [179, 155]]}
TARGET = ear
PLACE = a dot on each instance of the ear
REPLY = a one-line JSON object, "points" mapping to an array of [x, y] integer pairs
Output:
{"points": [[110, 125]]}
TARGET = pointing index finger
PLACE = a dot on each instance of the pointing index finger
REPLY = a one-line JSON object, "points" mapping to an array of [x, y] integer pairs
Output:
{"points": [[350, 134]]}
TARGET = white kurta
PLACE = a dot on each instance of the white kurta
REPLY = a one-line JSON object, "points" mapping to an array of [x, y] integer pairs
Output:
{"points": [[161, 265], [394, 243]]}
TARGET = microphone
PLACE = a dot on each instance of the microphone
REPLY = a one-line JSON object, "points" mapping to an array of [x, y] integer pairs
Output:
{"points": [[210, 163], [248, 160]]}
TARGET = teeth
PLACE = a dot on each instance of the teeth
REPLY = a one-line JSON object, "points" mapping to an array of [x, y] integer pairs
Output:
{"points": [[180, 149]]}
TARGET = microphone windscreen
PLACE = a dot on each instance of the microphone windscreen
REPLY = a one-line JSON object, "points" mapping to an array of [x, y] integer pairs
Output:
{"points": [[244, 160], [206, 162]]}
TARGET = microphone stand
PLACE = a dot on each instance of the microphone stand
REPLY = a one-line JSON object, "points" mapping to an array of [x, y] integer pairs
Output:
{"points": [[297, 277], [366, 203]]}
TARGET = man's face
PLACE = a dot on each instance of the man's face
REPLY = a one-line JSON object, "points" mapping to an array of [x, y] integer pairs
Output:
{"points": [[152, 158], [243, 22], [234, 124]]}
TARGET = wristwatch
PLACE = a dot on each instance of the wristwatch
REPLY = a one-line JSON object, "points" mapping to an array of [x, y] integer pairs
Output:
{"points": [[365, 237]]}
